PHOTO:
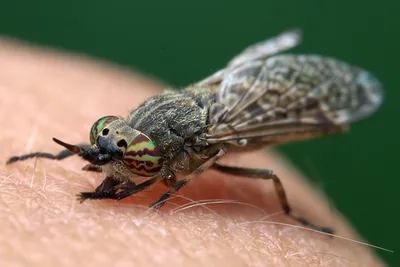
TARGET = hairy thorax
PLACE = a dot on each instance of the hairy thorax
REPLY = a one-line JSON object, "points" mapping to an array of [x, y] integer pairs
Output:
{"points": [[176, 121]]}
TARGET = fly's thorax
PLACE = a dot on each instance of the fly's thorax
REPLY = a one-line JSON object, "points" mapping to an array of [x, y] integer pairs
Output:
{"points": [[130, 149], [173, 118]]}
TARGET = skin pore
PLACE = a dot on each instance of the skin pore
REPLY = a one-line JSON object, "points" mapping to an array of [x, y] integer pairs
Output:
{"points": [[44, 94]]}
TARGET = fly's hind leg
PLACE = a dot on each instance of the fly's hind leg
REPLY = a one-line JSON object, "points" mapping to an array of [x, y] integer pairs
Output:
{"points": [[269, 175]]}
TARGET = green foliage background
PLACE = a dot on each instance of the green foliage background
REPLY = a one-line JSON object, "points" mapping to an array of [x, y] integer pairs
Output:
{"points": [[183, 41]]}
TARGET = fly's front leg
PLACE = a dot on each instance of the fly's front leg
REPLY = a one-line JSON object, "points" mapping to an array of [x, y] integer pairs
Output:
{"points": [[92, 168], [108, 190], [178, 185], [267, 175], [108, 185]]}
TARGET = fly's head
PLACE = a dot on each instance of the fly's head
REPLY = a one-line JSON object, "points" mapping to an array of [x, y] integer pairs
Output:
{"points": [[117, 145]]}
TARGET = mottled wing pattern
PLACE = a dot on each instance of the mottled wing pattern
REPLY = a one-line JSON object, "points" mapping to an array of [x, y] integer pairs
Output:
{"points": [[289, 97]]}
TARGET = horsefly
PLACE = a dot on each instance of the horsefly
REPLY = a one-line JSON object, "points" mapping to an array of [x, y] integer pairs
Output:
{"points": [[261, 98]]}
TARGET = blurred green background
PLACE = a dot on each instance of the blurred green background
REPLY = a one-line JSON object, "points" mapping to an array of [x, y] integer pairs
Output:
{"points": [[183, 41]]}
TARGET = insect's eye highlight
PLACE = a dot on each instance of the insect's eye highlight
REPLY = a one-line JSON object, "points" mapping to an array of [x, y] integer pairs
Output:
{"points": [[98, 127], [142, 157]]}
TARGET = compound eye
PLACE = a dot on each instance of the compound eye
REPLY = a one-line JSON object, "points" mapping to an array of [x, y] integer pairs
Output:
{"points": [[99, 125], [142, 157]]}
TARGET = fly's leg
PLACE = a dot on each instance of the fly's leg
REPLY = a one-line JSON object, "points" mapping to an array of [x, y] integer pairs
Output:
{"points": [[60, 156], [127, 189], [178, 185], [92, 168], [108, 185], [280, 191]]}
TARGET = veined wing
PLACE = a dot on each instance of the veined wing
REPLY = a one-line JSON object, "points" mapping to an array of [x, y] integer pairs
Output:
{"points": [[288, 97], [261, 50]]}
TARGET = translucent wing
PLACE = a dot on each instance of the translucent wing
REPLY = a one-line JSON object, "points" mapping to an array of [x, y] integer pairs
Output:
{"points": [[262, 50], [289, 97]]}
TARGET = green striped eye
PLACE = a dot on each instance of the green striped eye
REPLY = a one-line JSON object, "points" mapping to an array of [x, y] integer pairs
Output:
{"points": [[142, 157], [99, 125]]}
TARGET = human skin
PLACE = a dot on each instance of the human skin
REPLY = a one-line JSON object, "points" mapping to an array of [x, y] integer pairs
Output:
{"points": [[44, 94]]}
